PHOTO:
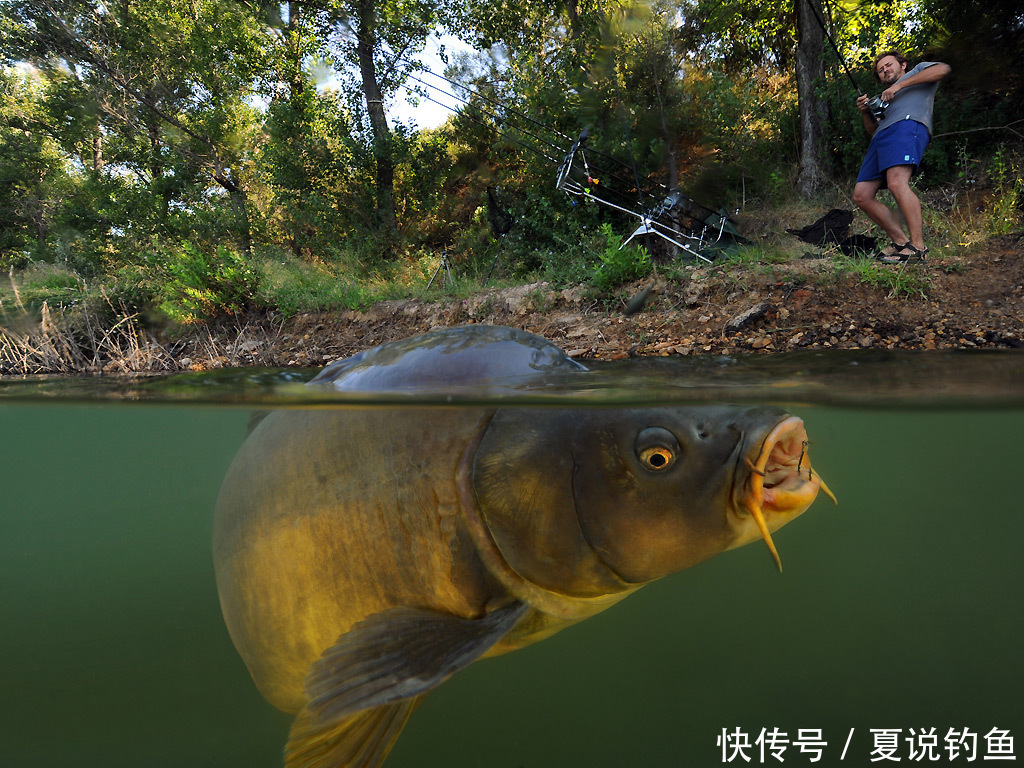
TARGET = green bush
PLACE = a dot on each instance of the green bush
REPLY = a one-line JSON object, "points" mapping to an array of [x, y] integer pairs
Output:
{"points": [[619, 265], [1005, 211], [201, 285]]}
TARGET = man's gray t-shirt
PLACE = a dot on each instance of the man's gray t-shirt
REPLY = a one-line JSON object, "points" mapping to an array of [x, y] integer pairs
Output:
{"points": [[913, 103]]}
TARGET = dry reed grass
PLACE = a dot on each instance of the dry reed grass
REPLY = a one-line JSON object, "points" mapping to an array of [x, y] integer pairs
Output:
{"points": [[74, 340], [70, 341]]}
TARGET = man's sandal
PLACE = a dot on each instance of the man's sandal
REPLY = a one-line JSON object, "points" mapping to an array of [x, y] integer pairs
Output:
{"points": [[890, 250], [905, 253]]}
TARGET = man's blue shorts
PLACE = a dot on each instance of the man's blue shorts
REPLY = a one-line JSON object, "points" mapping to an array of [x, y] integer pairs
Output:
{"points": [[902, 143]]}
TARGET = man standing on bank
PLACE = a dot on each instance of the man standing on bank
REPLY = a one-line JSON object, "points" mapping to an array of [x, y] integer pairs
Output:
{"points": [[898, 140]]}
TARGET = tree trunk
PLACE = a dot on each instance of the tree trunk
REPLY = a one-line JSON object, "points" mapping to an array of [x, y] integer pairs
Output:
{"points": [[240, 204], [814, 113], [292, 129], [573, 12], [365, 39], [293, 45], [156, 165], [97, 150], [671, 159]]}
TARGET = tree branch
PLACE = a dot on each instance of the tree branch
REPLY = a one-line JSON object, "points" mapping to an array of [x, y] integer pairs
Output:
{"points": [[80, 49], [1006, 127]]}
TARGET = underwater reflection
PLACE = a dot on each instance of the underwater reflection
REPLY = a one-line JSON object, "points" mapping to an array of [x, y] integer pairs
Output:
{"points": [[857, 378]]}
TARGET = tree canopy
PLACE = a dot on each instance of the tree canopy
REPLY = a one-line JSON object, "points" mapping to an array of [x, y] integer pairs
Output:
{"points": [[130, 131]]}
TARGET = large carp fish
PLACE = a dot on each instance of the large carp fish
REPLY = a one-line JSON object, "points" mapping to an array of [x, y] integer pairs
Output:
{"points": [[364, 555]]}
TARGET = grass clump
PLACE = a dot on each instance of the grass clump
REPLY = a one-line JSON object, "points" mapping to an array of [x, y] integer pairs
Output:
{"points": [[292, 287], [1007, 205], [905, 280]]}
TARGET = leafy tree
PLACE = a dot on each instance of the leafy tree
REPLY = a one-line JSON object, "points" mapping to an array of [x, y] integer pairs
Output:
{"points": [[739, 35], [373, 38], [561, 69], [169, 82], [982, 102], [310, 164], [33, 174], [300, 160]]}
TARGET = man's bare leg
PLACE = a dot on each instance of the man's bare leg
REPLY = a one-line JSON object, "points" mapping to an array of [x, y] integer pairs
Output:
{"points": [[898, 179], [864, 197]]}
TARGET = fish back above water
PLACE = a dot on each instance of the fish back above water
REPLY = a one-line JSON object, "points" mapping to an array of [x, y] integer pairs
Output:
{"points": [[466, 356], [365, 555]]}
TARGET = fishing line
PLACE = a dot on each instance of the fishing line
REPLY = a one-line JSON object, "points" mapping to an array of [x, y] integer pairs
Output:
{"points": [[598, 172], [497, 104], [505, 108], [648, 223], [494, 102], [465, 113], [495, 116], [643, 191], [508, 136], [835, 48], [466, 102], [647, 215]]}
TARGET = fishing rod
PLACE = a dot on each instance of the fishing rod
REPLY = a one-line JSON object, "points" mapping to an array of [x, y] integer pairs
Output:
{"points": [[505, 108], [821, 22], [515, 113], [875, 104], [466, 102], [657, 199], [674, 199], [649, 225]]}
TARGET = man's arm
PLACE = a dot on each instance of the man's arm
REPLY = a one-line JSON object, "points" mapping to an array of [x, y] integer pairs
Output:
{"points": [[931, 74], [869, 120]]}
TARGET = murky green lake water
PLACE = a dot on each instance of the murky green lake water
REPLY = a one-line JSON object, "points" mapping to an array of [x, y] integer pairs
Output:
{"points": [[899, 609]]}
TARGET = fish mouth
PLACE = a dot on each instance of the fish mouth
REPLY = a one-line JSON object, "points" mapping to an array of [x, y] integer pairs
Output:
{"points": [[780, 484]]}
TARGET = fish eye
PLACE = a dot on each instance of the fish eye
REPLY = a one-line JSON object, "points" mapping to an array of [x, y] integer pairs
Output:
{"points": [[657, 458], [657, 449]]}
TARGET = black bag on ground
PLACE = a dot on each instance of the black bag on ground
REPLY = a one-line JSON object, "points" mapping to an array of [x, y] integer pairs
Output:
{"points": [[833, 227]]}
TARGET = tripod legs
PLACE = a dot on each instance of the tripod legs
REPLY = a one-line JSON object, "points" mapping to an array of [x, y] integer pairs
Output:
{"points": [[447, 279]]}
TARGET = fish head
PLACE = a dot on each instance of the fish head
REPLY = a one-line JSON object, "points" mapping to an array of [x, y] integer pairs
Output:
{"points": [[587, 501]]}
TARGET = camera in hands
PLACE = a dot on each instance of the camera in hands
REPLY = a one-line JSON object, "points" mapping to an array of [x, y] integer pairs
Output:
{"points": [[877, 107]]}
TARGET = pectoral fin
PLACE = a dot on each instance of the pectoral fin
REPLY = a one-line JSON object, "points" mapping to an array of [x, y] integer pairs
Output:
{"points": [[364, 687]]}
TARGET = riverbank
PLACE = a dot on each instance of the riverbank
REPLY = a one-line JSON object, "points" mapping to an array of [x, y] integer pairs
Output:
{"points": [[974, 299]]}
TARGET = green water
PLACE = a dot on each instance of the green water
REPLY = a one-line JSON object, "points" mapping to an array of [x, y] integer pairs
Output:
{"points": [[899, 609]]}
